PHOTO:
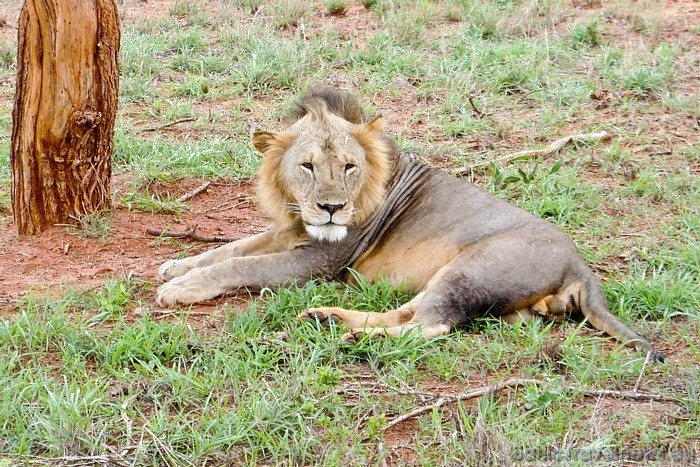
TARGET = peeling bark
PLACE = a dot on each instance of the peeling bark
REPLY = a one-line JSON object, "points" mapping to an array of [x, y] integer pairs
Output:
{"points": [[64, 111]]}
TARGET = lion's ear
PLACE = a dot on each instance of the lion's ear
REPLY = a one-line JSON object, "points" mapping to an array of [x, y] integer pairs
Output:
{"points": [[376, 125], [262, 140], [369, 132]]}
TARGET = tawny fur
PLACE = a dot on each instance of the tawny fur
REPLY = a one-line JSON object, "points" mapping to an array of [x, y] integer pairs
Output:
{"points": [[341, 196]]}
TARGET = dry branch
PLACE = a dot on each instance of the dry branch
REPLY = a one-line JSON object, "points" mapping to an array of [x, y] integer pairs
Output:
{"points": [[554, 147], [559, 144], [107, 459], [128, 422], [191, 234], [459, 397], [228, 205], [512, 383], [479, 114], [356, 389], [193, 193], [166, 125], [381, 454], [167, 452], [640, 396], [178, 312], [641, 372]]}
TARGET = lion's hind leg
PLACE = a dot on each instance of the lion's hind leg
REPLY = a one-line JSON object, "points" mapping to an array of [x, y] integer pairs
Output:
{"points": [[427, 331], [464, 289], [358, 319], [417, 316]]}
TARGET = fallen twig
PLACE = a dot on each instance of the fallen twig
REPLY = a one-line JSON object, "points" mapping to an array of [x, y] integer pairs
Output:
{"points": [[167, 452], [191, 234], [559, 145], [641, 372], [166, 125], [554, 147], [479, 113], [626, 395], [511, 383], [193, 193], [228, 205], [457, 398], [381, 454], [128, 422], [356, 389], [163, 313], [107, 459], [522, 99]]}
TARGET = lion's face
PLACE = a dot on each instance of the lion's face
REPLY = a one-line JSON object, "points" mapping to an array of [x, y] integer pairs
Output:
{"points": [[324, 172]]}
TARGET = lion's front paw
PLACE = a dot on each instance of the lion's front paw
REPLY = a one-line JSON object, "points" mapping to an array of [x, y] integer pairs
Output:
{"points": [[325, 316], [357, 334], [172, 269], [185, 290], [353, 336]]}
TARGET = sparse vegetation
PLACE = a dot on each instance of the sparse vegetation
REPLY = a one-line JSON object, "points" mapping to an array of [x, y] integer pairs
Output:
{"points": [[587, 33], [101, 375], [95, 225], [369, 3], [336, 7]]}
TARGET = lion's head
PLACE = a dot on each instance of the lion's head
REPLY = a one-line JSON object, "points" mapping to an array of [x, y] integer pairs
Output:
{"points": [[328, 170]]}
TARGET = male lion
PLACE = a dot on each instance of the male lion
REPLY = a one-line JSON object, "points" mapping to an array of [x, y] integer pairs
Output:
{"points": [[340, 196]]}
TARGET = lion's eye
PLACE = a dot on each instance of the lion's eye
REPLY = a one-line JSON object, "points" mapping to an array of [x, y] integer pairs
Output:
{"points": [[308, 166], [350, 168]]}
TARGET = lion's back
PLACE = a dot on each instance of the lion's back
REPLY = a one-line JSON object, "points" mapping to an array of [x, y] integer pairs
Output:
{"points": [[442, 218]]}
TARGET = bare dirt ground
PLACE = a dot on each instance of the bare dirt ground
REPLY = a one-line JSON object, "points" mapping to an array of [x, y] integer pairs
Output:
{"points": [[65, 256]]}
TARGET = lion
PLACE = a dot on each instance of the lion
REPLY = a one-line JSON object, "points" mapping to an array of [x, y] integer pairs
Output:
{"points": [[340, 196]]}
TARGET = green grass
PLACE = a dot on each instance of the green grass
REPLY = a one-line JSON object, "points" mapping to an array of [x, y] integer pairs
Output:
{"points": [[95, 225], [336, 7], [8, 55], [163, 159], [263, 388], [5, 201], [103, 372], [586, 33]]}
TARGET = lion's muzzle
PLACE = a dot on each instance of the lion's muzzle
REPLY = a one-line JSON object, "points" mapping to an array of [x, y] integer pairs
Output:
{"points": [[331, 208]]}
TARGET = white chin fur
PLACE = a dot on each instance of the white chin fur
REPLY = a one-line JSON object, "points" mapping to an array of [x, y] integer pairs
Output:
{"points": [[327, 233]]}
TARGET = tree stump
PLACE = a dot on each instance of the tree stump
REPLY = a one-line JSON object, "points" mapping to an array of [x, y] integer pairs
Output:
{"points": [[64, 111]]}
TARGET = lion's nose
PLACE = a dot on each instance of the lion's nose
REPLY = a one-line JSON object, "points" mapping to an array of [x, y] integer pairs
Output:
{"points": [[330, 208]]}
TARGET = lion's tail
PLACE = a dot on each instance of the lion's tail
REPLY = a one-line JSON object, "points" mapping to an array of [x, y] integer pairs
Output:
{"points": [[594, 307]]}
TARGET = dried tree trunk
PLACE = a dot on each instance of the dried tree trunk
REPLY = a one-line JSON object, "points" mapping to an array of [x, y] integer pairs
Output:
{"points": [[64, 111]]}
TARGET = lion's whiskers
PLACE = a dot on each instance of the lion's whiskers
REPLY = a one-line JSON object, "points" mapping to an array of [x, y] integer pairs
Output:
{"points": [[294, 208]]}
